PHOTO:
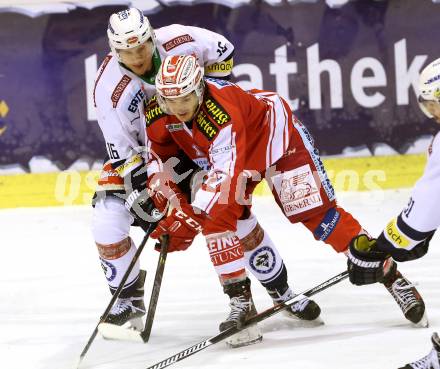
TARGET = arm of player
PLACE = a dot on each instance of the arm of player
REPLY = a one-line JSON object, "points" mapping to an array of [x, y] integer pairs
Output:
{"points": [[407, 236], [215, 52], [402, 242], [366, 257], [220, 187]]}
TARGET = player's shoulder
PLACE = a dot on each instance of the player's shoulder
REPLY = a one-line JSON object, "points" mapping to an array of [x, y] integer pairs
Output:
{"points": [[173, 36], [114, 88], [224, 90], [177, 38]]}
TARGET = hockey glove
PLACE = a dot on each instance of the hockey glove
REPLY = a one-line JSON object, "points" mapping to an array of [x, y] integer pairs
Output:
{"points": [[181, 226], [365, 262], [143, 209], [164, 192]]}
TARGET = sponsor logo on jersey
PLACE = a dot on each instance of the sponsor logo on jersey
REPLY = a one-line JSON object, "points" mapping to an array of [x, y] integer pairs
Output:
{"points": [[263, 261], [314, 154], [153, 112], [179, 40], [119, 90], [395, 236], [223, 66], [174, 127], [327, 225], [222, 150], [297, 190], [129, 165], [135, 101], [217, 113], [206, 126]]}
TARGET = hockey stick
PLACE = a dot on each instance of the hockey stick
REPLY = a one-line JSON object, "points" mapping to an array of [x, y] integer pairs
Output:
{"points": [[116, 332], [145, 335], [255, 319], [116, 294]]}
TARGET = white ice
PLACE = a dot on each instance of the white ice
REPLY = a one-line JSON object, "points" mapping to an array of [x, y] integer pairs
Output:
{"points": [[53, 291]]}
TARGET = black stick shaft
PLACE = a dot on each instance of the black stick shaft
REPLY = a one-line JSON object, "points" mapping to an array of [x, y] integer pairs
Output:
{"points": [[156, 289]]}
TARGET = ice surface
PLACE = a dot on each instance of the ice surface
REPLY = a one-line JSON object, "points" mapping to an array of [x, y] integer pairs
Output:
{"points": [[53, 292]]}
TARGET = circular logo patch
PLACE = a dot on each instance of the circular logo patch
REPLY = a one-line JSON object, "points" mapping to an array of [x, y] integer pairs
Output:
{"points": [[109, 270], [263, 260]]}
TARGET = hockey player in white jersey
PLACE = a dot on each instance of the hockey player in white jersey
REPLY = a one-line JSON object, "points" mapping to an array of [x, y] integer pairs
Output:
{"points": [[124, 79], [407, 236]]}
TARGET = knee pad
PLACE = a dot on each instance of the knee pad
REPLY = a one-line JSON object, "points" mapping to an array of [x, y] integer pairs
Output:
{"points": [[111, 221]]}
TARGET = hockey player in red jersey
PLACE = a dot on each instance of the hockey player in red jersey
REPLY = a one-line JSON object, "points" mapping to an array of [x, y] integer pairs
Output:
{"points": [[244, 136], [407, 236], [125, 78]]}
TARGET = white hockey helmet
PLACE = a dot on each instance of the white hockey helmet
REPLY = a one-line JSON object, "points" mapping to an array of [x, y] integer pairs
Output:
{"points": [[178, 76], [429, 85], [127, 29]]}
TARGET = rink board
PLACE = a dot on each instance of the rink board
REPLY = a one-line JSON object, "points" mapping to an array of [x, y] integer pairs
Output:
{"points": [[76, 188]]}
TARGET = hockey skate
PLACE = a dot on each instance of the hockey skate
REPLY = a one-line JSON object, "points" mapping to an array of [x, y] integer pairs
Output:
{"points": [[430, 361], [407, 297], [128, 310], [242, 308], [305, 311]]}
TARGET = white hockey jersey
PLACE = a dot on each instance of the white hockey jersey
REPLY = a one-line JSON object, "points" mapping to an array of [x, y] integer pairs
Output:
{"points": [[118, 93], [423, 210], [422, 214]]}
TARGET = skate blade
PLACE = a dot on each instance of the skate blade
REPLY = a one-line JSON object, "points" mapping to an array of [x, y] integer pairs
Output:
{"points": [[423, 323], [130, 331], [246, 337]]}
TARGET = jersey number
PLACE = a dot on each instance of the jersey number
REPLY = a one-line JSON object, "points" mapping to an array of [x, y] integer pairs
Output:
{"points": [[112, 152], [409, 207], [221, 49]]}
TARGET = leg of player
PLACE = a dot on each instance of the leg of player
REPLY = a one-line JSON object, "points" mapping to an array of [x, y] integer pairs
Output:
{"points": [[430, 361], [111, 224], [305, 194], [226, 254], [266, 264]]}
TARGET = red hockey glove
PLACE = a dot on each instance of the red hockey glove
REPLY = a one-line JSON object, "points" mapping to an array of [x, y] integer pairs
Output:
{"points": [[181, 226], [164, 192]]}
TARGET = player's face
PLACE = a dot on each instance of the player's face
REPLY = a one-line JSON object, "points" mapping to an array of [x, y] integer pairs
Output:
{"points": [[139, 59], [184, 107], [433, 108]]}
